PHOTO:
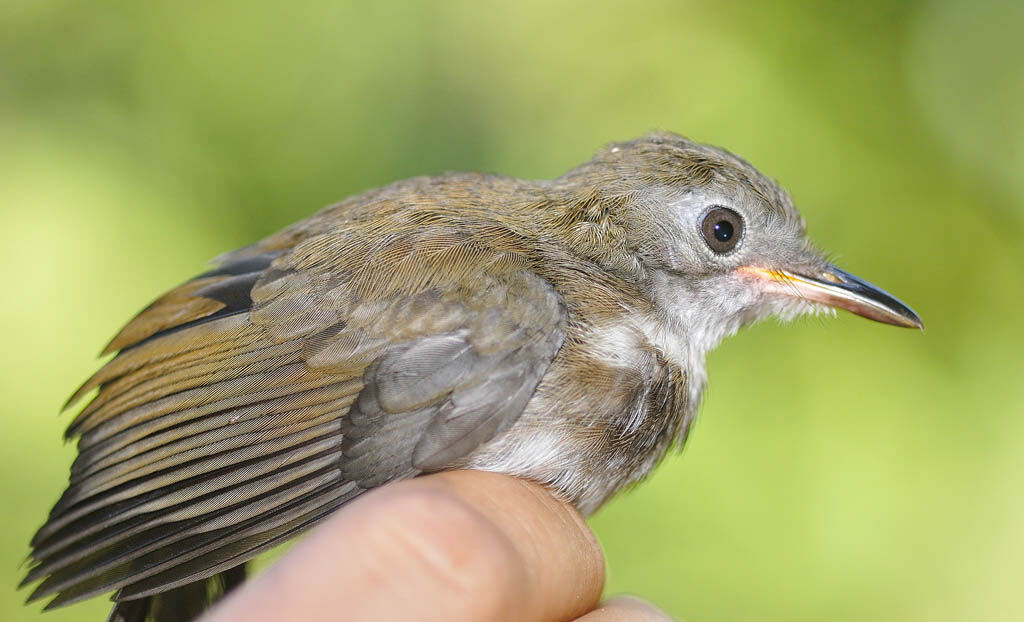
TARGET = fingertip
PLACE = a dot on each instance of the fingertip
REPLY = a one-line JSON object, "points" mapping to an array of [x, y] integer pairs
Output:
{"points": [[453, 545], [561, 554], [626, 609]]}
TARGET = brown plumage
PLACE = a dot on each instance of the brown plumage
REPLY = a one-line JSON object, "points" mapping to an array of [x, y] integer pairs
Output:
{"points": [[551, 330]]}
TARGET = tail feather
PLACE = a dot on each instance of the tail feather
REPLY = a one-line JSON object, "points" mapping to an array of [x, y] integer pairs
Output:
{"points": [[181, 604]]}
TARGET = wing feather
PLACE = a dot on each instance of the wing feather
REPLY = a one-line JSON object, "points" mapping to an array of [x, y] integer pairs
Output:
{"points": [[184, 494], [267, 414], [249, 403], [143, 519]]}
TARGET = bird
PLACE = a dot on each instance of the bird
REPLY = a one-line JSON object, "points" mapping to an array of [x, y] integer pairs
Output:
{"points": [[552, 330]]}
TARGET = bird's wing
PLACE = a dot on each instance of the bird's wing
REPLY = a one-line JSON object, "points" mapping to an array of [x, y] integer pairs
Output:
{"points": [[249, 403]]}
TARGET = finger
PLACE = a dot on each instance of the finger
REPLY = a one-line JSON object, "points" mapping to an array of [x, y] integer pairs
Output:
{"points": [[626, 609], [450, 546]]}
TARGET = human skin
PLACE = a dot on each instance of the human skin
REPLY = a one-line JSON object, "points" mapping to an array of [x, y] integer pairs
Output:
{"points": [[458, 545]]}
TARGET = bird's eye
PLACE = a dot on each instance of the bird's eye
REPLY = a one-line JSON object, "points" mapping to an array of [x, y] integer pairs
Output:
{"points": [[722, 229]]}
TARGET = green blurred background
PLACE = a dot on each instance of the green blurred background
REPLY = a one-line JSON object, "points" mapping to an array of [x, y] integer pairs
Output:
{"points": [[840, 469]]}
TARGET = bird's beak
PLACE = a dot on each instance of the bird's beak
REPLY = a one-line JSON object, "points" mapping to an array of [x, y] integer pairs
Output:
{"points": [[840, 289]]}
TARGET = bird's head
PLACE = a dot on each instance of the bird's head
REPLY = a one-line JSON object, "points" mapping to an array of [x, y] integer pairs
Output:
{"points": [[719, 244]]}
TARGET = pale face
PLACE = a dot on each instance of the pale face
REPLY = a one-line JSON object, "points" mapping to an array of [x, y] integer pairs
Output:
{"points": [[725, 255]]}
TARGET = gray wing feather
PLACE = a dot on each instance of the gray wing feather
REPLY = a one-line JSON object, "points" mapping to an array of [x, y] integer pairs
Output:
{"points": [[431, 401]]}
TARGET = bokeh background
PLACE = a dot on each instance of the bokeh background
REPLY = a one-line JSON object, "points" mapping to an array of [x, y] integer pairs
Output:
{"points": [[840, 470]]}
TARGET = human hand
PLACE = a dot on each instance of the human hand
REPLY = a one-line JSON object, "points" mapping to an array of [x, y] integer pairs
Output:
{"points": [[458, 545]]}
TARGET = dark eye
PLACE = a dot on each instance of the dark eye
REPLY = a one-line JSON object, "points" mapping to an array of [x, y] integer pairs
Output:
{"points": [[722, 229]]}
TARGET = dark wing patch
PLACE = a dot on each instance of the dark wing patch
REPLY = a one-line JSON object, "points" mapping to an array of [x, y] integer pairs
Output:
{"points": [[217, 293], [233, 292], [234, 265]]}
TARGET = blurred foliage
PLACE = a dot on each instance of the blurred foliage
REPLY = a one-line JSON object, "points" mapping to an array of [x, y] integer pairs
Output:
{"points": [[840, 469]]}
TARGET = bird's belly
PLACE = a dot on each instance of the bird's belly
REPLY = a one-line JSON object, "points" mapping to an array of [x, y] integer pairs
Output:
{"points": [[588, 435]]}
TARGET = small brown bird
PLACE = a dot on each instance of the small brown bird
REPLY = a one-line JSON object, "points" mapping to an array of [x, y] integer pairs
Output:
{"points": [[552, 330]]}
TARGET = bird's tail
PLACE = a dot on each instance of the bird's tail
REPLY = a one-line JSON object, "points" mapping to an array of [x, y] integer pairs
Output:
{"points": [[180, 604]]}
